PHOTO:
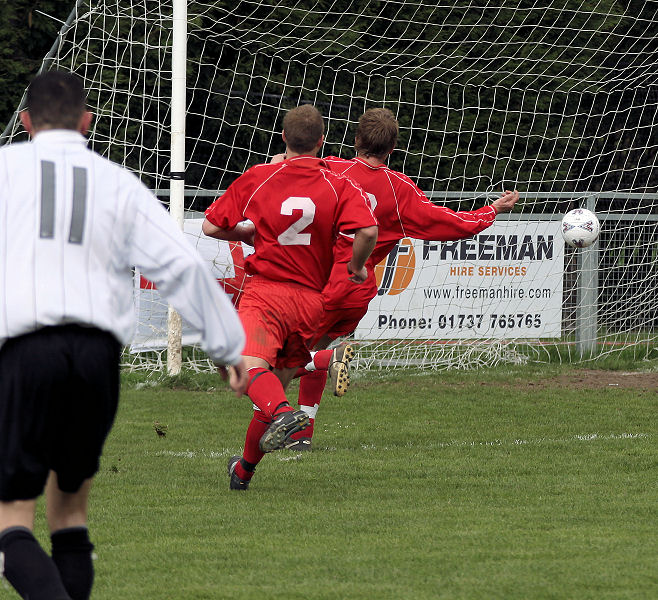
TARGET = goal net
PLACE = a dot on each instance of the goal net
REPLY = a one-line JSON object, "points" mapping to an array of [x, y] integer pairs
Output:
{"points": [[556, 99]]}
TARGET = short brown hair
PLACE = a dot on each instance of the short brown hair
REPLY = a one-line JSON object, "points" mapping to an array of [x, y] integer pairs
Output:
{"points": [[377, 133], [56, 100], [303, 127]]}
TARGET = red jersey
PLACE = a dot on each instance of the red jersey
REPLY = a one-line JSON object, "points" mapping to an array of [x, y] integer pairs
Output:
{"points": [[402, 210], [298, 207]]}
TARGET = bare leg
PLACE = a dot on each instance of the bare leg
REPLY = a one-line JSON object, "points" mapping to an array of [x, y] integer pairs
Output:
{"points": [[63, 509], [71, 548], [24, 563], [17, 513]]}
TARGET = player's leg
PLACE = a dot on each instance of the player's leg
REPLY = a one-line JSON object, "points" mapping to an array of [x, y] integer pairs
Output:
{"points": [[23, 562], [265, 389], [273, 420], [80, 421], [27, 369], [273, 315], [17, 513], [309, 316], [312, 381], [333, 363], [71, 548], [268, 397], [263, 315], [241, 468]]}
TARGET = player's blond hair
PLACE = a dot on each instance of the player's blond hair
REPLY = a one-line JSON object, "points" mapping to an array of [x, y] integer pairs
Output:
{"points": [[377, 133], [303, 127]]}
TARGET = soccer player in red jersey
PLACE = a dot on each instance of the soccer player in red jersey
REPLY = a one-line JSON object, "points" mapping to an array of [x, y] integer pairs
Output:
{"points": [[402, 210], [297, 208]]}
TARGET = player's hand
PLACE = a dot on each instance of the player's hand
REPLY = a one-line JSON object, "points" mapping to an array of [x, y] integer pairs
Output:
{"points": [[277, 158], [506, 202], [357, 276], [236, 375]]}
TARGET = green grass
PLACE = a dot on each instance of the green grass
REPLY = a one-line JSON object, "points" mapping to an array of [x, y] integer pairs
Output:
{"points": [[453, 485]]}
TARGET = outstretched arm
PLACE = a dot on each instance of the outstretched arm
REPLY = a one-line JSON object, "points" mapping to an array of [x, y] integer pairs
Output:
{"points": [[506, 202], [422, 219], [159, 248]]}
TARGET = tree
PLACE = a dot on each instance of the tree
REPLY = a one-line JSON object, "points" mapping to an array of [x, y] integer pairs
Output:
{"points": [[26, 35]]}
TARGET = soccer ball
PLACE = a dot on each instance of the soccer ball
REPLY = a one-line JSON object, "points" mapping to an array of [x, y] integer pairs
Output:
{"points": [[580, 228]]}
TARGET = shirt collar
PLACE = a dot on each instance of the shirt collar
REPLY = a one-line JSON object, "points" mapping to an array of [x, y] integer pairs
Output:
{"points": [[367, 164], [55, 136], [308, 161]]}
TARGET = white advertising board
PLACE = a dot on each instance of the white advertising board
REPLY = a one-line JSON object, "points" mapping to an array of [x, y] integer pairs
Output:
{"points": [[504, 283]]}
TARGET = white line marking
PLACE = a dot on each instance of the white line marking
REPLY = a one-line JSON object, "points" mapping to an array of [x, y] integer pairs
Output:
{"points": [[586, 437]]}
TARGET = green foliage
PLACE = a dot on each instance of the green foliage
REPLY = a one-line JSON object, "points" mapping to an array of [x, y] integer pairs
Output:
{"points": [[25, 38], [552, 97]]}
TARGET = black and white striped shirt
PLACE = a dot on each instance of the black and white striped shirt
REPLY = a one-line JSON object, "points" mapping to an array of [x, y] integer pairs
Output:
{"points": [[72, 226]]}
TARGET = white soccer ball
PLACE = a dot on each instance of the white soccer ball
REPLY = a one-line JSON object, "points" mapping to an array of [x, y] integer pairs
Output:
{"points": [[580, 228]]}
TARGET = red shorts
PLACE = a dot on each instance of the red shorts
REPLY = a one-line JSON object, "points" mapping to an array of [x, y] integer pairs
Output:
{"points": [[339, 322], [280, 320]]}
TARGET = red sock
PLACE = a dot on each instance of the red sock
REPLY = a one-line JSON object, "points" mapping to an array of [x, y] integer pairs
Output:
{"points": [[321, 359], [311, 387], [252, 452], [242, 473], [266, 392]]}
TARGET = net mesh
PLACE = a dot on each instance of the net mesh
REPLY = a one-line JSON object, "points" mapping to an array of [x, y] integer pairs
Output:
{"points": [[556, 99]]}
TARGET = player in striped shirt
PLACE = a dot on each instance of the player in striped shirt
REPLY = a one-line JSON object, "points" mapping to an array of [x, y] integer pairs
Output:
{"points": [[402, 210], [72, 227], [297, 209]]}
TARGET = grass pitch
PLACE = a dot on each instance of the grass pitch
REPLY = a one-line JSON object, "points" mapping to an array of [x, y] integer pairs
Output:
{"points": [[502, 484]]}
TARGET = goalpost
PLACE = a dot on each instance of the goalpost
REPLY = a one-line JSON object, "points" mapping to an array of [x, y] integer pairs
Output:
{"points": [[177, 174], [557, 99]]}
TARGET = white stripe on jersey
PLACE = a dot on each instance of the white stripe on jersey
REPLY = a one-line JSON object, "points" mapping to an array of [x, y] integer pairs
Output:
{"points": [[73, 226], [327, 173], [283, 166]]}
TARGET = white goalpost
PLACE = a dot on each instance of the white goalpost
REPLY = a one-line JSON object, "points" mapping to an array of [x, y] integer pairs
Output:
{"points": [[557, 99], [177, 174]]}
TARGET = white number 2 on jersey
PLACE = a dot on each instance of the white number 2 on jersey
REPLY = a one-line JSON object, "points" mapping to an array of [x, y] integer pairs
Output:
{"points": [[293, 236]]}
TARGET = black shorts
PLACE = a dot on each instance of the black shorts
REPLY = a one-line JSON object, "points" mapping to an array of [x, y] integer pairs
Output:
{"points": [[59, 390]]}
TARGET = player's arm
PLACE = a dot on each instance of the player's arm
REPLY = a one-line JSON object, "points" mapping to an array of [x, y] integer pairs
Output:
{"points": [[224, 217], [159, 248], [506, 202], [422, 219], [355, 215], [364, 243], [242, 232]]}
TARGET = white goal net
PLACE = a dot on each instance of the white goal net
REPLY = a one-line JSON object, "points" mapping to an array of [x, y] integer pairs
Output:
{"points": [[558, 99]]}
